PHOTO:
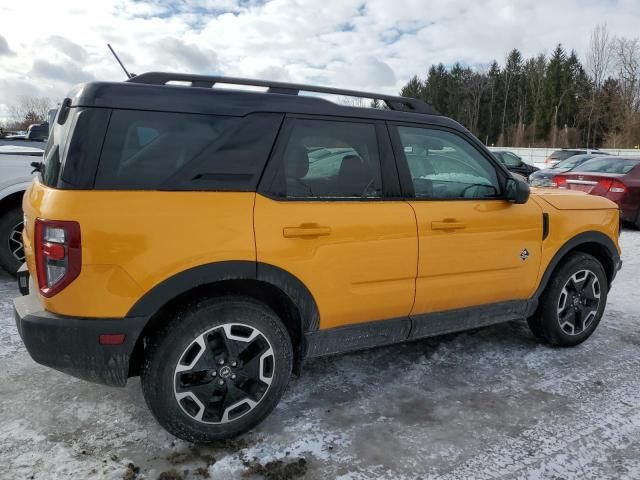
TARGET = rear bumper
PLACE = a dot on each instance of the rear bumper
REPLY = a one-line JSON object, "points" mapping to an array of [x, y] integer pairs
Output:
{"points": [[71, 344]]}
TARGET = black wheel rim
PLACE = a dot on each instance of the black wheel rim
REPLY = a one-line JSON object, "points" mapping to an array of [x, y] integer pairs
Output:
{"points": [[224, 373], [16, 247], [578, 303]]}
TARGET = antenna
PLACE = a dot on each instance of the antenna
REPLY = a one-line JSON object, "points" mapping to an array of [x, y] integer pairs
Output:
{"points": [[129, 75]]}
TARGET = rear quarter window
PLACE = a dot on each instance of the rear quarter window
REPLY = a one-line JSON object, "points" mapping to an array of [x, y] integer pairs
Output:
{"points": [[178, 151]]}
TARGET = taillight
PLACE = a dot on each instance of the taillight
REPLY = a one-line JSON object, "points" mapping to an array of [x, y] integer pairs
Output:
{"points": [[617, 187], [560, 181], [58, 254]]}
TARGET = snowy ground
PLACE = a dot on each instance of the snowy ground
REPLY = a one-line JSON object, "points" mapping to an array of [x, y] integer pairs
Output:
{"points": [[490, 403]]}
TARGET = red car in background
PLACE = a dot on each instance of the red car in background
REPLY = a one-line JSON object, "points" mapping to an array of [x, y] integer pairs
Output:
{"points": [[616, 178]]}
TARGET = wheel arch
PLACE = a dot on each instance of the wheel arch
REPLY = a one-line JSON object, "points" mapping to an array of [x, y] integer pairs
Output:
{"points": [[11, 199], [280, 290], [594, 243]]}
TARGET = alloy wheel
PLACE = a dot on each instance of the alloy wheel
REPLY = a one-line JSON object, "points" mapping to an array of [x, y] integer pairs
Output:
{"points": [[224, 373], [578, 303], [16, 247]]}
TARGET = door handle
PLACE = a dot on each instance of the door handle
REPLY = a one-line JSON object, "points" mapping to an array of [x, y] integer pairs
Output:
{"points": [[447, 224], [305, 231]]}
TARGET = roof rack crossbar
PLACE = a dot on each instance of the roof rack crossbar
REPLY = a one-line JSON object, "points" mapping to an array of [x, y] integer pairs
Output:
{"points": [[392, 102]]}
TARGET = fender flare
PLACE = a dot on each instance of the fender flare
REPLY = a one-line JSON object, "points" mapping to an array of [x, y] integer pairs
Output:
{"points": [[580, 239], [186, 280]]}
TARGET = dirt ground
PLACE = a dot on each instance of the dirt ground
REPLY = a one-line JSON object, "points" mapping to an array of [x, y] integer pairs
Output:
{"points": [[485, 404]]}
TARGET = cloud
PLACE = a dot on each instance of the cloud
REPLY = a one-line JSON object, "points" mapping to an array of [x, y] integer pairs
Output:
{"points": [[359, 44], [4, 47], [65, 72], [70, 49], [185, 56], [367, 71]]}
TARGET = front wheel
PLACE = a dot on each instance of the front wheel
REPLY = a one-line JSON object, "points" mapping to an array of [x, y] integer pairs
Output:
{"points": [[217, 369], [573, 302]]}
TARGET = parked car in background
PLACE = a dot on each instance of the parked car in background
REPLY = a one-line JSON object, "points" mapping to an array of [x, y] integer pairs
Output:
{"points": [[514, 163], [616, 178], [544, 177], [38, 131], [565, 153], [15, 177]]}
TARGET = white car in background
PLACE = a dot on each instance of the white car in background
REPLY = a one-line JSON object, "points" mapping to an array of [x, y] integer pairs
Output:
{"points": [[15, 176]]}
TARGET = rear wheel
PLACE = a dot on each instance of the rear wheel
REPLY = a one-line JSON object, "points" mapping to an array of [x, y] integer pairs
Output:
{"points": [[11, 246], [217, 369], [573, 303]]}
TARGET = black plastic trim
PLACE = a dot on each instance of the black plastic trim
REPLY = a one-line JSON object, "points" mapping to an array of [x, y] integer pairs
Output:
{"points": [[580, 239], [440, 323], [202, 275], [357, 337], [545, 225], [386, 332], [295, 290], [71, 344], [392, 102], [186, 280]]}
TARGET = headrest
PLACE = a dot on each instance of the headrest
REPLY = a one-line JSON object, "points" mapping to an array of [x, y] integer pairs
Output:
{"points": [[296, 161], [351, 166]]}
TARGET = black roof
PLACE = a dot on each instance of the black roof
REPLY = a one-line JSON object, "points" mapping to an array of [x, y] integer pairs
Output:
{"points": [[150, 91]]}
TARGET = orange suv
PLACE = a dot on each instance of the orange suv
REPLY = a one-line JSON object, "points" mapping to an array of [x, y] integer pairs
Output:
{"points": [[210, 240]]}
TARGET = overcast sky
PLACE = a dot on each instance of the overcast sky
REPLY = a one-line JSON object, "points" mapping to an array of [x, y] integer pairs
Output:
{"points": [[48, 46]]}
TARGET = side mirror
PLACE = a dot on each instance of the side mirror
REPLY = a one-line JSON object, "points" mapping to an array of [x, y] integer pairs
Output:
{"points": [[517, 191]]}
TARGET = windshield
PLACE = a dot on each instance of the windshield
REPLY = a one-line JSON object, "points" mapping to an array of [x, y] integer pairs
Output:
{"points": [[609, 165]]}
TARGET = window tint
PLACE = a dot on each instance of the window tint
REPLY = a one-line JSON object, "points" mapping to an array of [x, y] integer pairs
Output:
{"points": [[327, 159], [177, 151], [445, 166], [143, 149]]}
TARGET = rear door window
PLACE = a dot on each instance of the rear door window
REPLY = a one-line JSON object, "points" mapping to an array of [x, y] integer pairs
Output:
{"points": [[328, 159]]}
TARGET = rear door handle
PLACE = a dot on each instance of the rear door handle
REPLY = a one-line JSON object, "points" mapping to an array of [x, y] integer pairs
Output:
{"points": [[447, 225], [304, 231]]}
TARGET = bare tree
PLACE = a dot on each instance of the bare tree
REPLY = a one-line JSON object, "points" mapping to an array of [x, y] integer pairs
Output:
{"points": [[598, 63], [476, 85], [28, 109], [627, 55]]}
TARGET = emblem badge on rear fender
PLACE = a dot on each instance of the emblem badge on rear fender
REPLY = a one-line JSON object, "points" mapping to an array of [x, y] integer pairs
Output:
{"points": [[524, 254]]}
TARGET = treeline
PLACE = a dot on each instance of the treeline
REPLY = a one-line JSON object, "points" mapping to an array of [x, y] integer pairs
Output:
{"points": [[553, 101]]}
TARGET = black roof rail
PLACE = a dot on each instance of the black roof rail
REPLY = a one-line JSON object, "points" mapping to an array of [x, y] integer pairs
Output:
{"points": [[392, 102]]}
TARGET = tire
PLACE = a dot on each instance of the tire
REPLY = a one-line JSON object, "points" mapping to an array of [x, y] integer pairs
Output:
{"points": [[573, 303], [178, 379], [11, 248]]}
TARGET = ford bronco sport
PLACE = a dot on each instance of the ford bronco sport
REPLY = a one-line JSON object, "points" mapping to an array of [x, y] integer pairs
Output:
{"points": [[210, 240]]}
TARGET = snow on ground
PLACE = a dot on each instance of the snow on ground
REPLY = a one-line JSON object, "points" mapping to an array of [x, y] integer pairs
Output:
{"points": [[485, 404]]}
